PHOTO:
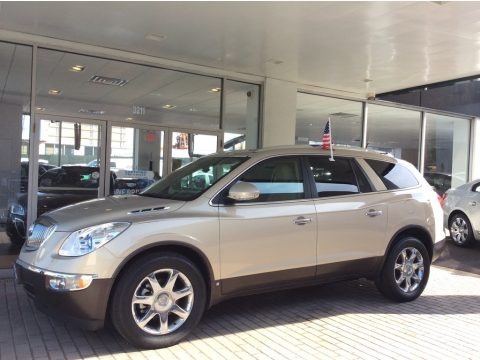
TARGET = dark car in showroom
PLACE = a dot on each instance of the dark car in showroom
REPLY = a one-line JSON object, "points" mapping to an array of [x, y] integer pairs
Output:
{"points": [[42, 169], [57, 187]]}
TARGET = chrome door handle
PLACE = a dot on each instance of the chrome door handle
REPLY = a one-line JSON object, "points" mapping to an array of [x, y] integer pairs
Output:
{"points": [[302, 220], [472, 203], [373, 212]]}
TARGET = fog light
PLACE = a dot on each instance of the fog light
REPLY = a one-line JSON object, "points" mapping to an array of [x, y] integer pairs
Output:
{"points": [[69, 282]]}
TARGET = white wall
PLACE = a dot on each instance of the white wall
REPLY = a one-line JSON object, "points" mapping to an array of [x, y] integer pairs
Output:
{"points": [[280, 103]]}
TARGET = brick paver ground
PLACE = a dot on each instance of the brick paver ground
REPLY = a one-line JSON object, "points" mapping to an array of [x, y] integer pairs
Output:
{"points": [[349, 320]]}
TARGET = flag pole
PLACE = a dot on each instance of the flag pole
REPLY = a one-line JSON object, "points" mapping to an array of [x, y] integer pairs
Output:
{"points": [[331, 135]]}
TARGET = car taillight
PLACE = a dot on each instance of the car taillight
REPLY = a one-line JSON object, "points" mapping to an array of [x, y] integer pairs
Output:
{"points": [[441, 199]]}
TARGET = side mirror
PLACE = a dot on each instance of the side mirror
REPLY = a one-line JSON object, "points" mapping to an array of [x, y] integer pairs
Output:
{"points": [[243, 191]]}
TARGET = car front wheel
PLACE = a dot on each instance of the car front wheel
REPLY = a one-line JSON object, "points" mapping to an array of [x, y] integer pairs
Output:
{"points": [[461, 230], [406, 270], [158, 301]]}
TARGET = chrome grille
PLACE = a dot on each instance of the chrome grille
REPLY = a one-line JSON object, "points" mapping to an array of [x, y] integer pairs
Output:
{"points": [[38, 233]]}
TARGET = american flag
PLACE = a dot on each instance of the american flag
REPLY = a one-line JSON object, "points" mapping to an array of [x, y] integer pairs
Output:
{"points": [[327, 140]]}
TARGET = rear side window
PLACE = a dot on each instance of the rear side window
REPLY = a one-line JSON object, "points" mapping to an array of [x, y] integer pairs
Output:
{"points": [[335, 178], [394, 176]]}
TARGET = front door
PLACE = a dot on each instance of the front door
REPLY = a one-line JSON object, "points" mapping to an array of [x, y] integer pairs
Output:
{"points": [[273, 238]]}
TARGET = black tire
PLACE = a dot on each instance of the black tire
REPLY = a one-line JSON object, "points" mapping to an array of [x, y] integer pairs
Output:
{"points": [[398, 266], [16, 240], [461, 231], [134, 282]]}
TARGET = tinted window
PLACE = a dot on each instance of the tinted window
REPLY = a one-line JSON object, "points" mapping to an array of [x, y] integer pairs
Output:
{"points": [[277, 179], [71, 176], [333, 178], [394, 176]]}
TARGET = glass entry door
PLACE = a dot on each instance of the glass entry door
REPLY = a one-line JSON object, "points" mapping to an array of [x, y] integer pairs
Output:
{"points": [[136, 157], [187, 146], [69, 163]]}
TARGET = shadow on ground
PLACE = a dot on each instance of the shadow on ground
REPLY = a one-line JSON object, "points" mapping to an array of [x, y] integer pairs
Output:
{"points": [[463, 259]]}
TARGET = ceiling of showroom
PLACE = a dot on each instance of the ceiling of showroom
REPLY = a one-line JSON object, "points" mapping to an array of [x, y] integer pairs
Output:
{"points": [[355, 47]]}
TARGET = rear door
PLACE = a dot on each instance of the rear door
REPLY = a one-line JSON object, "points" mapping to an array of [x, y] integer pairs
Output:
{"points": [[351, 218]]}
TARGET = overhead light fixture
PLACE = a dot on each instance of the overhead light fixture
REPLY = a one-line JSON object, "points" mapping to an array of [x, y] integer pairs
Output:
{"points": [[129, 118], [343, 115], [54, 92], [103, 80], [156, 37], [274, 61], [217, 89], [77, 68], [92, 112], [39, 108], [192, 109], [168, 106]]}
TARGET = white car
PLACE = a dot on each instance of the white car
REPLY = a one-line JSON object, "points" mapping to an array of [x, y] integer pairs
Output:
{"points": [[232, 224], [462, 213]]}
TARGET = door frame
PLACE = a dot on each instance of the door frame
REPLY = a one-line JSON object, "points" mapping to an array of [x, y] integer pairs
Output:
{"points": [[34, 157]]}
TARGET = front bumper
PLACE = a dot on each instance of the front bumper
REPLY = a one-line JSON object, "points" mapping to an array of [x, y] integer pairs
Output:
{"points": [[85, 308], [438, 248]]}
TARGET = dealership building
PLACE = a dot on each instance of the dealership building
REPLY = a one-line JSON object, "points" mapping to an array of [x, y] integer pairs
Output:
{"points": [[128, 92]]}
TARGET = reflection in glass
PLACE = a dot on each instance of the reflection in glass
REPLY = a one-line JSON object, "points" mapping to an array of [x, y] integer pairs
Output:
{"points": [[313, 111], [446, 151], [241, 115], [136, 158], [115, 90], [187, 147], [15, 85], [402, 143]]}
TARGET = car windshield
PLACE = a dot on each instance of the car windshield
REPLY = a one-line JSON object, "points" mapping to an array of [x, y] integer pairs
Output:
{"points": [[188, 182]]}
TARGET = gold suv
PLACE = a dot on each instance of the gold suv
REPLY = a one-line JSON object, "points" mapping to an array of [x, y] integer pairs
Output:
{"points": [[232, 224]]}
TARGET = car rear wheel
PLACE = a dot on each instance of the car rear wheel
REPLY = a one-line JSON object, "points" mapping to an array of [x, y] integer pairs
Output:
{"points": [[461, 230], [406, 270], [158, 301]]}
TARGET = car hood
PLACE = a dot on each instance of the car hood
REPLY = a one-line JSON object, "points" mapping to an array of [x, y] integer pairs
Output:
{"points": [[131, 208]]}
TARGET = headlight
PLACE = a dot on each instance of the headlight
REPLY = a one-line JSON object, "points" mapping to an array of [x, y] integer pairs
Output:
{"points": [[86, 240], [17, 209]]}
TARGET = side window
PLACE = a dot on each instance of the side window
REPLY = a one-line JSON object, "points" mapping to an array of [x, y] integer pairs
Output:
{"points": [[334, 178], [394, 176], [277, 179], [362, 180]]}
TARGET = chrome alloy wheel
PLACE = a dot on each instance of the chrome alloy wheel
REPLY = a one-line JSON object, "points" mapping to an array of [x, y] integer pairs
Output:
{"points": [[459, 230], [162, 301], [409, 269]]}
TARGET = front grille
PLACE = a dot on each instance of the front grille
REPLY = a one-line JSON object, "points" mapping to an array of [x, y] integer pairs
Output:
{"points": [[40, 231]]}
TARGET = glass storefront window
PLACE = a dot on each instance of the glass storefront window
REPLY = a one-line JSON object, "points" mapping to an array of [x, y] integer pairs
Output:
{"points": [[313, 111], [15, 82], [115, 90], [187, 147], [446, 151], [402, 143], [240, 123]]}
